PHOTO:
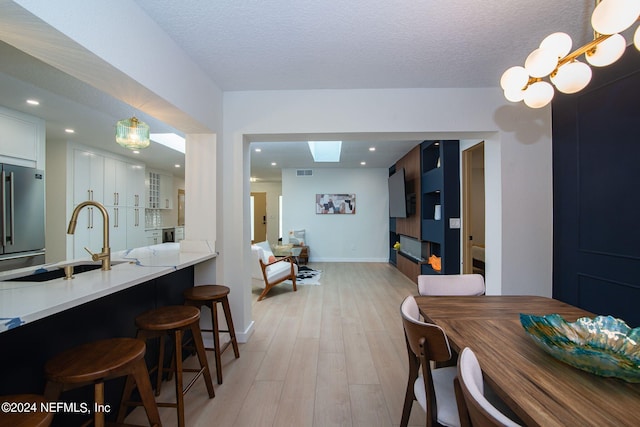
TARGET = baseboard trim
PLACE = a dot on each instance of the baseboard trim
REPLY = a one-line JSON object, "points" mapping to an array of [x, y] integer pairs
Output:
{"points": [[243, 337]]}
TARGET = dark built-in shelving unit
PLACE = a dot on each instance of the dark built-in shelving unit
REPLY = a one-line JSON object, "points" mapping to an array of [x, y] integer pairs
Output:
{"points": [[438, 185]]}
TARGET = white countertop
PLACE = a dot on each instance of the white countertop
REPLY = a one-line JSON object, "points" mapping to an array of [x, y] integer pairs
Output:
{"points": [[24, 302]]}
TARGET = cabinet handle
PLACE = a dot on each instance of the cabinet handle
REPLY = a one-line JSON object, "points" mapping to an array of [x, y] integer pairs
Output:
{"points": [[88, 194], [117, 198], [91, 217], [116, 210], [88, 218], [91, 198]]}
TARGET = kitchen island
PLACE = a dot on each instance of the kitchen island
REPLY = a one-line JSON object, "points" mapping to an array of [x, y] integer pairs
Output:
{"points": [[24, 302], [41, 319]]}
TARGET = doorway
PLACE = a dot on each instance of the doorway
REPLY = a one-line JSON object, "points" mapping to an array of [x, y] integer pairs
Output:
{"points": [[259, 212], [473, 193]]}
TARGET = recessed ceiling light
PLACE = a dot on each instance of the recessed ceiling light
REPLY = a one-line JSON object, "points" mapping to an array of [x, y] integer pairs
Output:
{"points": [[363, 163], [273, 163], [136, 152], [69, 130], [372, 148], [253, 179], [32, 102], [258, 150], [177, 166]]}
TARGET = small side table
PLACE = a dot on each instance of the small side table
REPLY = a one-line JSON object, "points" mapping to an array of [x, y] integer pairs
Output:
{"points": [[303, 257]]}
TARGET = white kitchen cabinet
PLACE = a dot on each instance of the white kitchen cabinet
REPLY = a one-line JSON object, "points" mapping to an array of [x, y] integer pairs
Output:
{"points": [[179, 234], [22, 136], [117, 228], [154, 236], [88, 171], [166, 192], [88, 176], [119, 186], [116, 180], [136, 186], [159, 191], [136, 236]]}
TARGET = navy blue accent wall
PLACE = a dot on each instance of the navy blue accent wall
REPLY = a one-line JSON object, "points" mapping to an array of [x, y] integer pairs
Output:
{"points": [[596, 192]]}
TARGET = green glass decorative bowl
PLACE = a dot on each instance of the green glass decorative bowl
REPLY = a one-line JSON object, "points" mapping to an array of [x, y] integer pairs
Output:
{"points": [[604, 345]]}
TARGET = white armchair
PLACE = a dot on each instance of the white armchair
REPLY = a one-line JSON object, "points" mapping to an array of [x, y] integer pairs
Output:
{"points": [[268, 270]]}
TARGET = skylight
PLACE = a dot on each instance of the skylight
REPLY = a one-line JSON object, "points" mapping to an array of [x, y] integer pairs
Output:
{"points": [[171, 140], [325, 151]]}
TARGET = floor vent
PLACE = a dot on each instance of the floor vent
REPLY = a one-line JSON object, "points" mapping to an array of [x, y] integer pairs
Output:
{"points": [[304, 172]]}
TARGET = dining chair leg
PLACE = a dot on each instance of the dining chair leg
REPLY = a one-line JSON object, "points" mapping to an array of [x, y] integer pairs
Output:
{"points": [[409, 396]]}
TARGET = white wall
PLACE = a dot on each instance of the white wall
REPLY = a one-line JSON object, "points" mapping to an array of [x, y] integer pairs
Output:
{"points": [[517, 165], [361, 237]]}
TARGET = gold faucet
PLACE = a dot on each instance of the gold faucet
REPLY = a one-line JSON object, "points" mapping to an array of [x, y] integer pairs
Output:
{"points": [[105, 255]]}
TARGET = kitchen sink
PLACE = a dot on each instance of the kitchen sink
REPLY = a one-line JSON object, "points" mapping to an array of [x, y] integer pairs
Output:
{"points": [[43, 275]]}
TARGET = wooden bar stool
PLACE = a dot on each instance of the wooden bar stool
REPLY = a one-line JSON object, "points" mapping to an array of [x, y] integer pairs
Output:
{"points": [[25, 410], [96, 362], [174, 320], [211, 295]]}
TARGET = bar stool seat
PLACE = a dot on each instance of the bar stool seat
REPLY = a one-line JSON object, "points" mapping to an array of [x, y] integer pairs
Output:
{"points": [[96, 362], [174, 320], [210, 296], [15, 416]]}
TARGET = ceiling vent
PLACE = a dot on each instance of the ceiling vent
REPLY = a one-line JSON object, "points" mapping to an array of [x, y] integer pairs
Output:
{"points": [[304, 172]]}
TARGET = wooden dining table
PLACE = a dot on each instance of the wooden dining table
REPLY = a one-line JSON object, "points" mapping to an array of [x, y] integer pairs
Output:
{"points": [[540, 389]]}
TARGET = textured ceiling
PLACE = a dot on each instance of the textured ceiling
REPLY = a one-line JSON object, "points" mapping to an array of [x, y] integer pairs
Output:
{"points": [[338, 44], [320, 44]]}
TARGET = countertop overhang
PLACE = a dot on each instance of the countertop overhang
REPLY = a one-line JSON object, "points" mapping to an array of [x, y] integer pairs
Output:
{"points": [[24, 302]]}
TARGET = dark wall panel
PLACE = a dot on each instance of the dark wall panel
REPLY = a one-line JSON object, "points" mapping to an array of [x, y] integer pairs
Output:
{"points": [[596, 173]]}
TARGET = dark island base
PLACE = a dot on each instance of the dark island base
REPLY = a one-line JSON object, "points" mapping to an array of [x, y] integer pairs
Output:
{"points": [[25, 350]]}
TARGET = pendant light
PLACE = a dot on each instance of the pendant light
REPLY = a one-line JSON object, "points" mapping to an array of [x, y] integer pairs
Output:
{"points": [[132, 133]]}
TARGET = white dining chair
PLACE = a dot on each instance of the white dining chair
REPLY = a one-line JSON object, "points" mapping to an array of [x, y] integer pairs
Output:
{"points": [[433, 388], [476, 410], [451, 284]]}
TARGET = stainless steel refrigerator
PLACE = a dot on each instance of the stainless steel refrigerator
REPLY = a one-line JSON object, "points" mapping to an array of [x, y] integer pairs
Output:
{"points": [[21, 217]]}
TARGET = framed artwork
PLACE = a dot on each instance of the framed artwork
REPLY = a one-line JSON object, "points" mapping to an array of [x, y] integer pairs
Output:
{"points": [[332, 204]]}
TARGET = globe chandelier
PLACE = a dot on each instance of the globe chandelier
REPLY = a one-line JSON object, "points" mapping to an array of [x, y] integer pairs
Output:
{"points": [[555, 61]]}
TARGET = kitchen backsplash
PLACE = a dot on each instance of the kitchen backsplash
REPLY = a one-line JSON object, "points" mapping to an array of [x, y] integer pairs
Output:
{"points": [[153, 218]]}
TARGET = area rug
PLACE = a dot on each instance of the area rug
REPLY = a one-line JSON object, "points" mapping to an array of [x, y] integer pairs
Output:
{"points": [[307, 276]]}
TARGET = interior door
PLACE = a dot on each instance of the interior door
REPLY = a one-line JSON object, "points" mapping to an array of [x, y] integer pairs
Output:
{"points": [[474, 209], [259, 217]]}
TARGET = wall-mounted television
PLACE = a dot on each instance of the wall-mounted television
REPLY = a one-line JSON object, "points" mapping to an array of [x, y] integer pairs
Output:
{"points": [[397, 195]]}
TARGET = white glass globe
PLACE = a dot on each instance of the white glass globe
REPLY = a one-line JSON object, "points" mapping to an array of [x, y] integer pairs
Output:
{"points": [[607, 52], [572, 77], [514, 95], [541, 62], [514, 78], [636, 38], [615, 16], [559, 43], [538, 94]]}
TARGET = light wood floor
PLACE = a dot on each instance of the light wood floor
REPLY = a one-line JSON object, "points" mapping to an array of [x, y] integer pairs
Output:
{"points": [[329, 355]]}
